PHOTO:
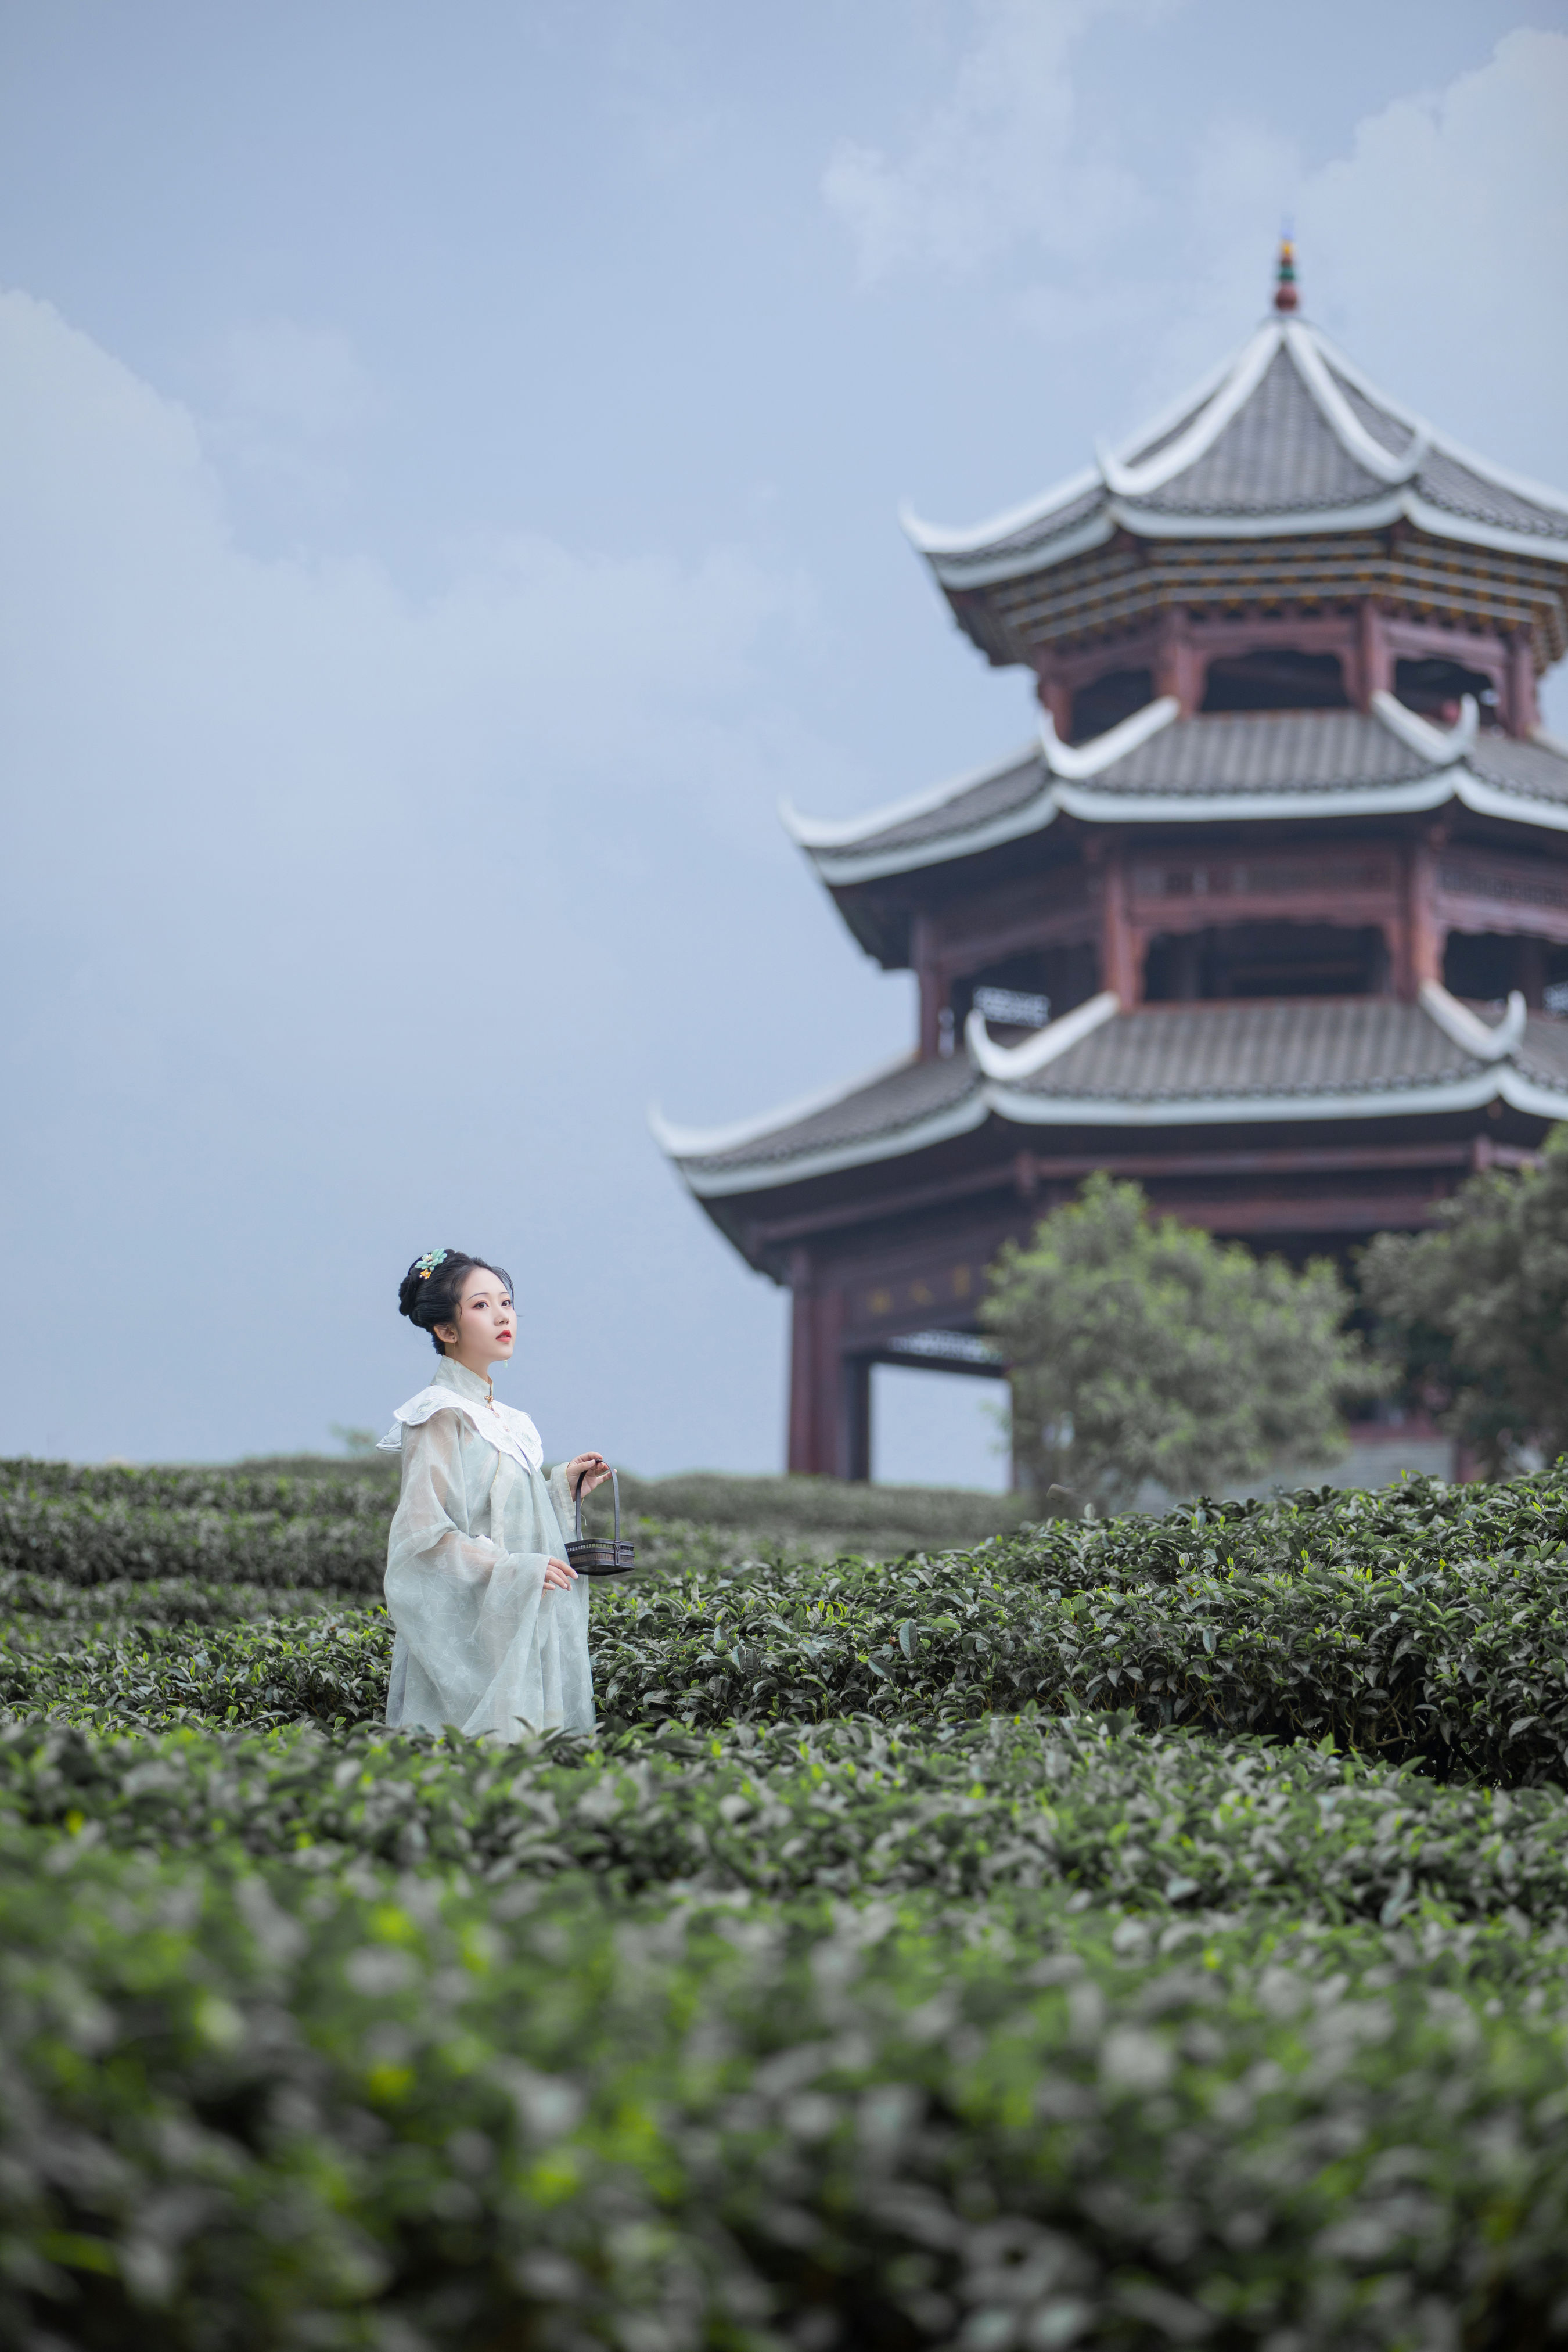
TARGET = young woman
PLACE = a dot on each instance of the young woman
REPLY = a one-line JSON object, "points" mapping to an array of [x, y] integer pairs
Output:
{"points": [[492, 1624]]}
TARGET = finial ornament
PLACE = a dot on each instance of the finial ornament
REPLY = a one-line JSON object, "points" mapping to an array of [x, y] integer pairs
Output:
{"points": [[426, 1266], [1286, 296]]}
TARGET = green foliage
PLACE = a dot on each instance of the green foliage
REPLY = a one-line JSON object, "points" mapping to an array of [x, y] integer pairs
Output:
{"points": [[865, 1982], [1479, 1309], [1158, 1822], [1429, 1625], [283, 2106], [1142, 1348]]}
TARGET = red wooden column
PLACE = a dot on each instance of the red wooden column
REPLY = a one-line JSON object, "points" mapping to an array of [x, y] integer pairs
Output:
{"points": [[1376, 662], [825, 1428], [1523, 712], [1178, 663], [931, 975]]}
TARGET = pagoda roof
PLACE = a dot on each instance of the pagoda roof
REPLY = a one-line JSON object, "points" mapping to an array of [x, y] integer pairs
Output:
{"points": [[1157, 1066], [1287, 436], [1158, 768]]}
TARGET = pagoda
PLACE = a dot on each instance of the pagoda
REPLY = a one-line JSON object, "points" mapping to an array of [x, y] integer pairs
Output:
{"points": [[1272, 915]]}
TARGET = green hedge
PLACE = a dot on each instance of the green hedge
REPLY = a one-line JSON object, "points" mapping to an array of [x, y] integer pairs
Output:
{"points": [[85, 1542], [1448, 1647], [31, 1603], [776, 1510], [286, 2109], [1166, 1822]]}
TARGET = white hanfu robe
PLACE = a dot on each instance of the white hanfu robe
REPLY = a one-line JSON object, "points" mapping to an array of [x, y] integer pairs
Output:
{"points": [[481, 1642]]}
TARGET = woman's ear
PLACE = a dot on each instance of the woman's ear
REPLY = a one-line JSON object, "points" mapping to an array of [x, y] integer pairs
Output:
{"points": [[447, 1334]]}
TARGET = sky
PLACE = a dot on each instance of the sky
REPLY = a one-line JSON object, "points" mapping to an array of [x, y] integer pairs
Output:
{"points": [[449, 468]]}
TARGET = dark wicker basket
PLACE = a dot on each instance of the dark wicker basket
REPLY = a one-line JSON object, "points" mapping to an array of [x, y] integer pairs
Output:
{"points": [[591, 1555]]}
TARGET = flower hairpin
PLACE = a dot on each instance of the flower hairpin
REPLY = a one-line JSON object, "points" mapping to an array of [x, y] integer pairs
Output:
{"points": [[426, 1266]]}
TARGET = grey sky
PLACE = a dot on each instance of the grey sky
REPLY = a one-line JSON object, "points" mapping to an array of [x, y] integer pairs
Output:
{"points": [[449, 463]]}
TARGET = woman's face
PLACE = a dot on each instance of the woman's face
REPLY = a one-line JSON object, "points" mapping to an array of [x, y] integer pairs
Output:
{"points": [[486, 1328]]}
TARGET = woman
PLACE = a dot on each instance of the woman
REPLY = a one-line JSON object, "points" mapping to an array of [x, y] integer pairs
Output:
{"points": [[492, 1624]]}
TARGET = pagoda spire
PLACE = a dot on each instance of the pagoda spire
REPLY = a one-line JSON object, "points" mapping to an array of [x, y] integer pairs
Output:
{"points": [[1286, 296]]}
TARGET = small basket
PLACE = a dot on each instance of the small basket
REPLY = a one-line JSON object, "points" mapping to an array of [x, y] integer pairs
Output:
{"points": [[591, 1555]]}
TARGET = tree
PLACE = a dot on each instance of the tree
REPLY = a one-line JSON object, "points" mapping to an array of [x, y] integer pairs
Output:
{"points": [[1144, 1348], [1478, 1310]]}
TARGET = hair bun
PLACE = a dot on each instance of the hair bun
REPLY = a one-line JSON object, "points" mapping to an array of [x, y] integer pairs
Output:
{"points": [[431, 1291]]}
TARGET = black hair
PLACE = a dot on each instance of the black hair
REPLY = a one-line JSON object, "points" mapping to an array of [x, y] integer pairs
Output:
{"points": [[429, 1293]]}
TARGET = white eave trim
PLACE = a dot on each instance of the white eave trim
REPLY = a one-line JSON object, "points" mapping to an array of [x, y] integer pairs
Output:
{"points": [[1439, 746], [1467, 1030], [1242, 1111], [1519, 808], [1442, 522], [1523, 486], [1342, 419], [1133, 480], [970, 1110], [935, 539], [1218, 399], [841, 833], [1036, 1053], [956, 573], [1094, 807], [1277, 522], [1076, 761], [700, 1142], [840, 868]]}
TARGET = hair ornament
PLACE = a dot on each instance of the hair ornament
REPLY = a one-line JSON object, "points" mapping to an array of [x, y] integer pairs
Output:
{"points": [[426, 1266]]}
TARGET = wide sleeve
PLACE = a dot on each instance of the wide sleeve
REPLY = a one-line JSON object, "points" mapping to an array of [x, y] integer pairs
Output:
{"points": [[561, 1497], [430, 1526]]}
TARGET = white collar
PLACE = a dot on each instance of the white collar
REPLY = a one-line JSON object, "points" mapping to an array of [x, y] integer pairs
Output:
{"points": [[456, 1388]]}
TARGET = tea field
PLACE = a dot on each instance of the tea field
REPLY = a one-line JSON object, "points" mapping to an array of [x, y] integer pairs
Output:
{"points": [[1141, 1934]]}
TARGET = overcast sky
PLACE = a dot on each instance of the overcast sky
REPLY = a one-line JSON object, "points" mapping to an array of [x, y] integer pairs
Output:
{"points": [[448, 468]]}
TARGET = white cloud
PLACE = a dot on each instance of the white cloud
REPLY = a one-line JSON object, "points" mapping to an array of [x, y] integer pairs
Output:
{"points": [[307, 378], [323, 906], [1008, 158]]}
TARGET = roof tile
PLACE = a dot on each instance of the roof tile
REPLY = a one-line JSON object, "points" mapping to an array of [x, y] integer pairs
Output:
{"points": [[1178, 1052], [1265, 751], [1276, 455], [1531, 770], [903, 1098]]}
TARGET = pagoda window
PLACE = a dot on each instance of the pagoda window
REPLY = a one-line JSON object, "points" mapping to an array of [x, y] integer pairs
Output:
{"points": [[1434, 687], [1487, 966], [1275, 678], [1265, 959], [1108, 700]]}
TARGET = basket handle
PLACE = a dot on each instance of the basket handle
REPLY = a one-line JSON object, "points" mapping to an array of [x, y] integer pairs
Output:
{"points": [[616, 1491]]}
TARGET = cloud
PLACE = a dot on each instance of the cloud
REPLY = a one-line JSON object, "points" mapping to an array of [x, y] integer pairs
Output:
{"points": [[327, 908], [307, 378], [1007, 159]]}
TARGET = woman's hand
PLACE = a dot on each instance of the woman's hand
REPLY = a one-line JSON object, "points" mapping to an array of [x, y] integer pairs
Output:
{"points": [[592, 1468], [558, 1576]]}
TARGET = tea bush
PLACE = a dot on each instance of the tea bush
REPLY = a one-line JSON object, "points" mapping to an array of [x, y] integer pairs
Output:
{"points": [[1128, 1934], [1166, 1822], [289, 2107], [1428, 1627]]}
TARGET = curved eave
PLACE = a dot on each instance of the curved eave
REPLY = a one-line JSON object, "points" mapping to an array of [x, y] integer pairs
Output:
{"points": [[1501, 1082], [838, 869], [818, 833], [718, 1183], [957, 574], [680, 1143], [841, 868], [1092, 807], [1469, 1093]]}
